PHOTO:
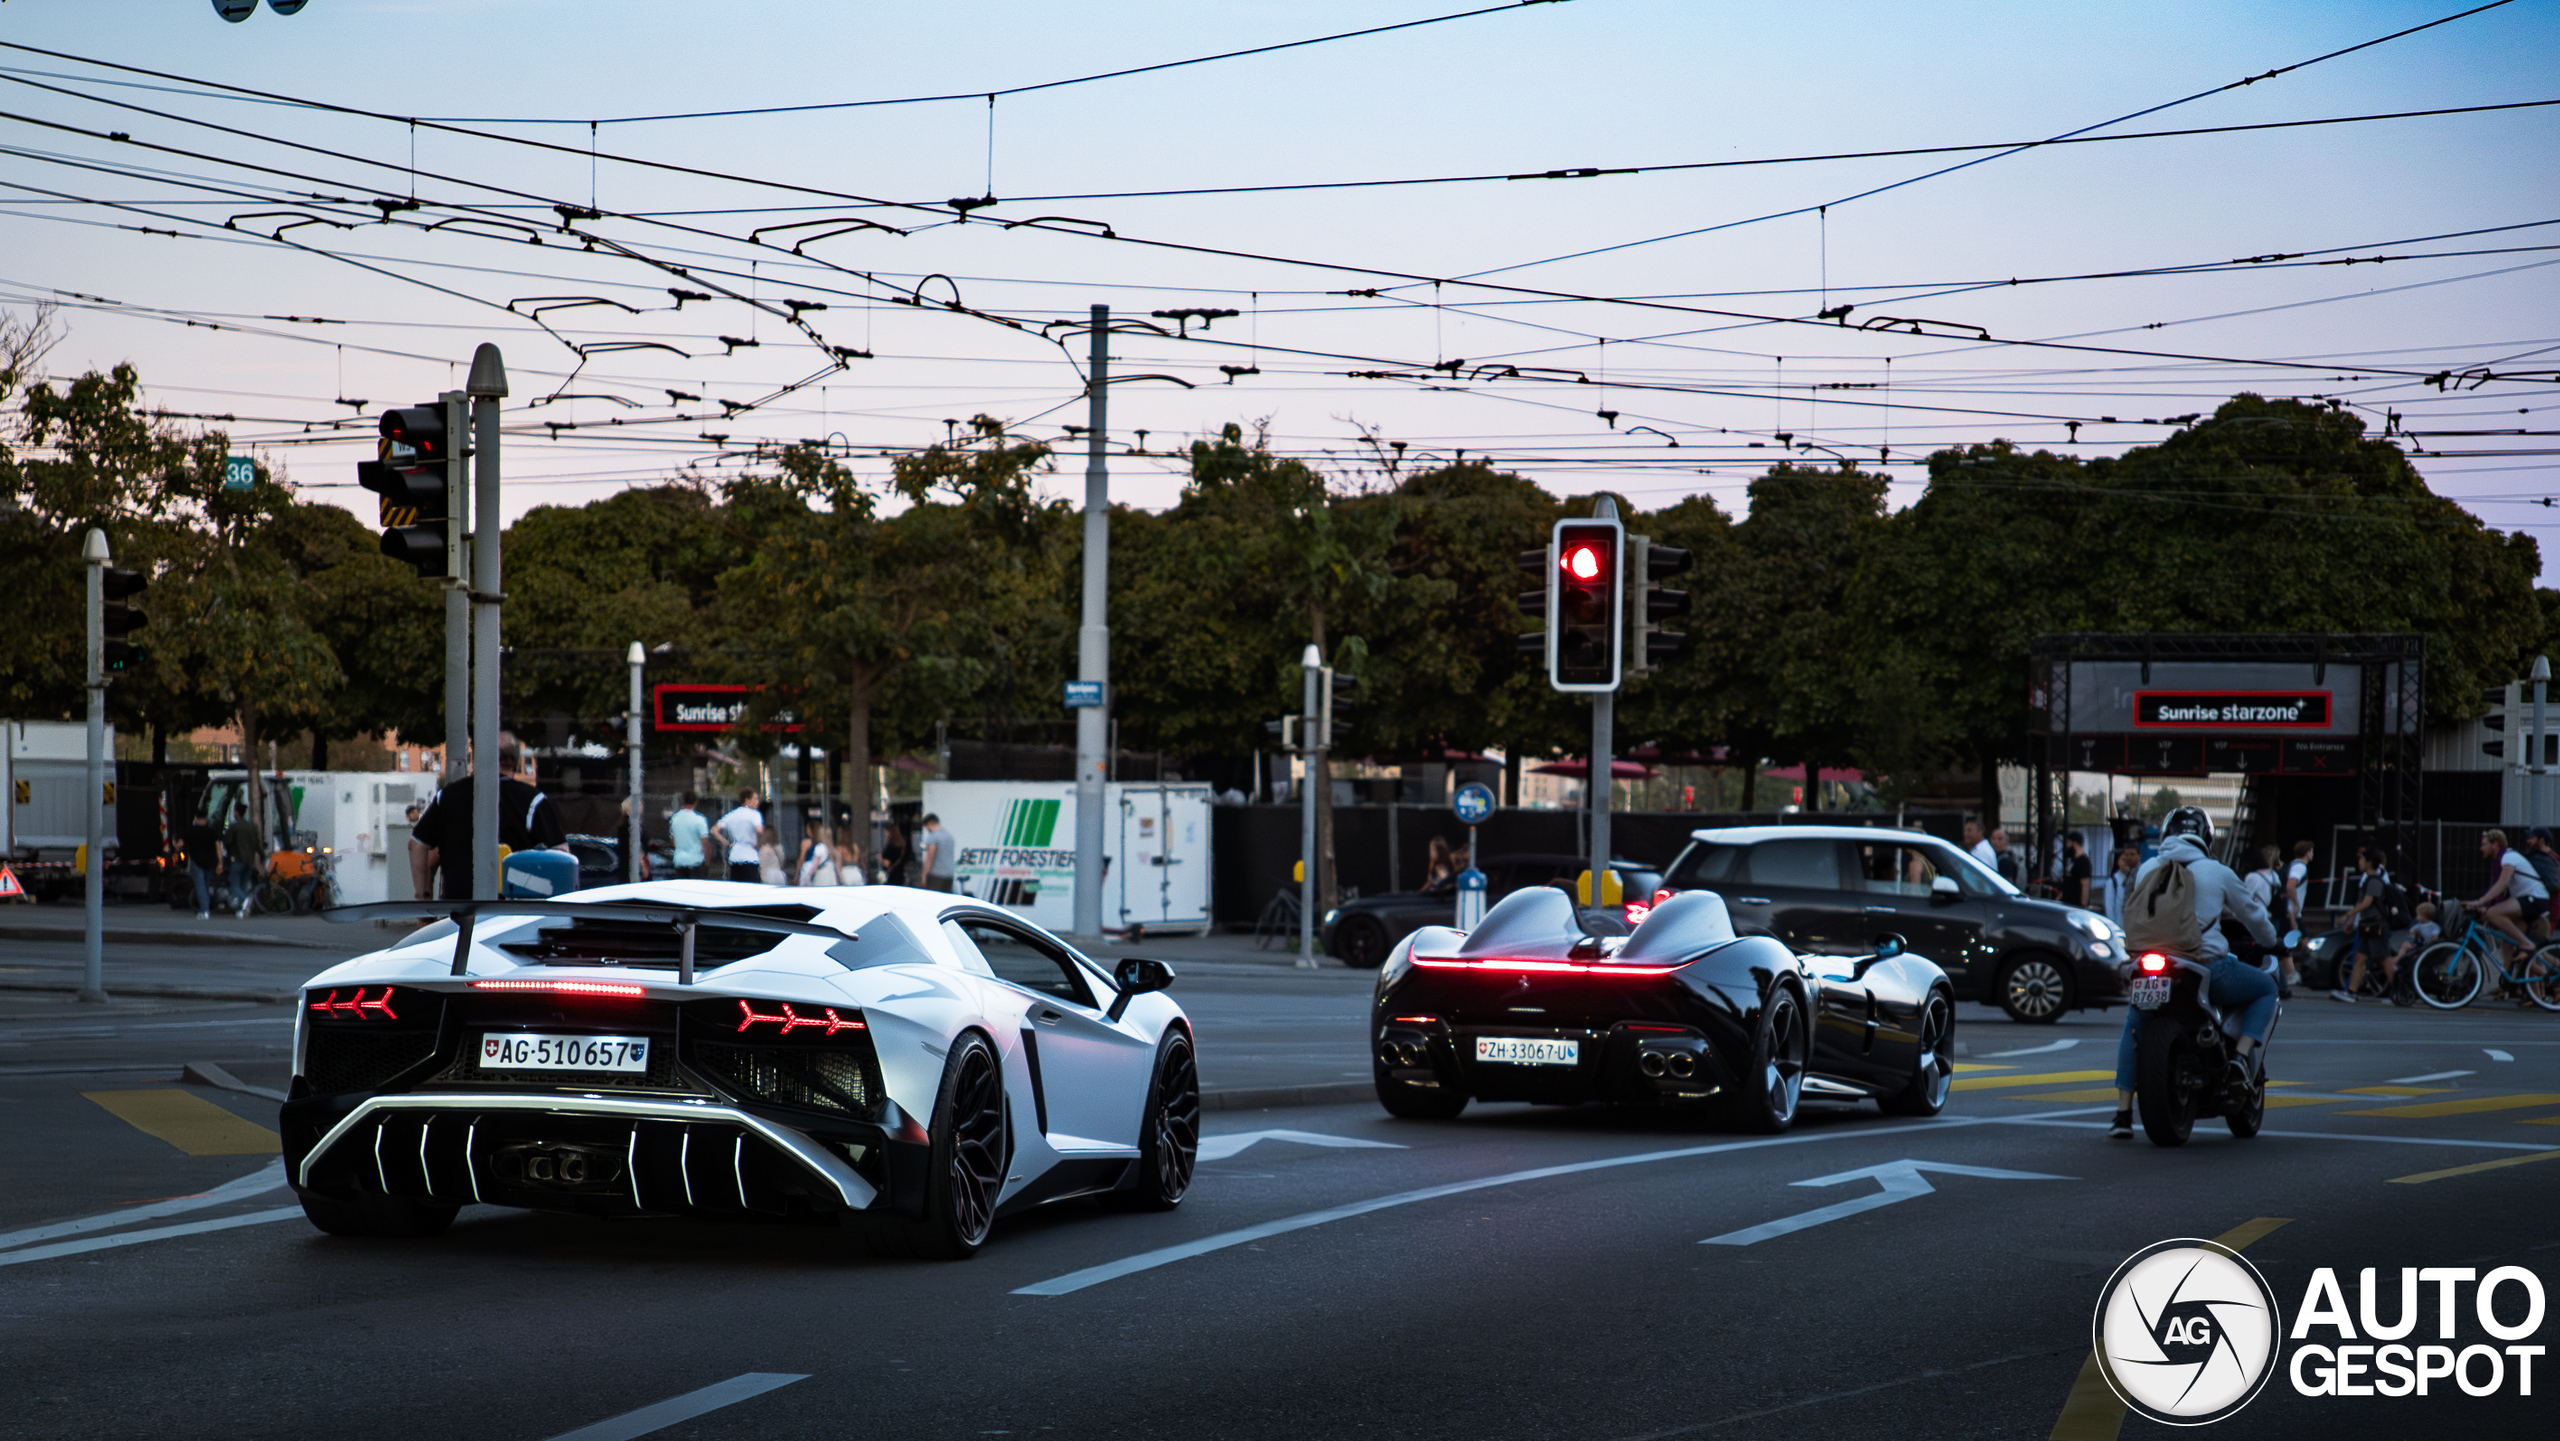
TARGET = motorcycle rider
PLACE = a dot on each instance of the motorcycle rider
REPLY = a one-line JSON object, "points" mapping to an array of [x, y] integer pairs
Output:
{"points": [[2234, 983]]}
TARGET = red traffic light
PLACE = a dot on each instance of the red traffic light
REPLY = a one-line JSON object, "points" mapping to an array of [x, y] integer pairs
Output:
{"points": [[1583, 562]]}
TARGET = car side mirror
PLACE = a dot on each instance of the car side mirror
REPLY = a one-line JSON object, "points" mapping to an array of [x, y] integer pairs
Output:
{"points": [[1135, 977], [1943, 891]]}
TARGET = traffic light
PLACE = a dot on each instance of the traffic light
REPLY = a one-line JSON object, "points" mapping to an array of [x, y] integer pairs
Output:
{"points": [[1587, 606], [415, 479], [118, 619], [1336, 710], [1535, 564], [1652, 603]]}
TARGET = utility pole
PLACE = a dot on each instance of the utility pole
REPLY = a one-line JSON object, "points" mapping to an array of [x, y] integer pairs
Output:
{"points": [[457, 591], [93, 980], [1604, 720], [487, 386], [1093, 639], [2534, 768], [1311, 740], [631, 742]]}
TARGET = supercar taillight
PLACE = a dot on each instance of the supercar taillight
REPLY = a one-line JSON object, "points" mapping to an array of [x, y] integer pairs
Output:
{"points": [[786, 1020], [361, 1005], [624, 989]]}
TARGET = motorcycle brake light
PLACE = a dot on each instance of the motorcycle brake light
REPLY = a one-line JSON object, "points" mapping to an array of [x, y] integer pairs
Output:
{"points": [[2153, 963]]}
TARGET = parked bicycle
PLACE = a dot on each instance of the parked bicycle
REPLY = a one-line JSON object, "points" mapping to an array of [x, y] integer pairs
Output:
{"points": [[2449, 974]]}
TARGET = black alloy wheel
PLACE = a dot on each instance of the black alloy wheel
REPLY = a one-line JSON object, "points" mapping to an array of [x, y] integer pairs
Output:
{"points": [[1169, 1138], [1362, 943], [2168, 1080], [1766, 1100], [376, 1216], [970, 1152], [2034, 989], [1933, 1074]]}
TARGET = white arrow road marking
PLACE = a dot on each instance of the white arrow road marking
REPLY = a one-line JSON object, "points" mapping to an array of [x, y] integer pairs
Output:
{"points": [[265, 1178], [683, 1408], [1219, 1148], [2433, 1076], [2046, 1049], [1901, 1181], [2498, 1055], [156, 1233]]}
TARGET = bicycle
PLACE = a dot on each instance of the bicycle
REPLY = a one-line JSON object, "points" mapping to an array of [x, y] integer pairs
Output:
{"points": [[2448, 975], [1279, 919]]}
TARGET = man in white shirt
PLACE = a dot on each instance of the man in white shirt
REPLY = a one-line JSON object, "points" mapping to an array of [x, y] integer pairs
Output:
{"points": [[743, 828], [1980, 848], [940, 855]]}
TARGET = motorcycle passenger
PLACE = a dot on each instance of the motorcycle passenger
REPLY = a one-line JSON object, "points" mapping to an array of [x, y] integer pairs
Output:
{"points": [[2233, 983]]}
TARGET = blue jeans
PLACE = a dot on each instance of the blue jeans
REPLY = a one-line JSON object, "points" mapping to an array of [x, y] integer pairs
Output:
{"points": [[244, 883], [204, 888], [2233, 983]]}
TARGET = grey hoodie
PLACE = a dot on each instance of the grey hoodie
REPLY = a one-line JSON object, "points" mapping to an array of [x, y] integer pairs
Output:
{"points": [[2218, 893]]}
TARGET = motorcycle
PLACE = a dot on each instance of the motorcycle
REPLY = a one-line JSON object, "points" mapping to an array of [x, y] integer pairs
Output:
{"points": [[2181, 1046]]}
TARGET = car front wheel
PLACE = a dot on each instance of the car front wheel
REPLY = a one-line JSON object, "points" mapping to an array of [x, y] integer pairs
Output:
{"points": [[1362, 943], [2035, 989]]}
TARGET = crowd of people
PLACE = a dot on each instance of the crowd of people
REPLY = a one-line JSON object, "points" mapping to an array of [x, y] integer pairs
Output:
{"points": [[828, 855]]}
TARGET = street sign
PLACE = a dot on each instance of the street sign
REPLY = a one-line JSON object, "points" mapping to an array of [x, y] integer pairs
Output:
{"points": [[1474, 803], [239, 472], [1084, 694]]}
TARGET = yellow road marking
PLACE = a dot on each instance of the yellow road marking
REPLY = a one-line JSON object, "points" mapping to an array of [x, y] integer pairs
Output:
{"points": [[2540, 1121], [2462, 1108], [2397, 1090], [189, 1122], [2093, 1411], [1964, 1066], [2497, 1165], [2103, 1093], [2045, 1078], [2302, 1100], [2288, 1083]]}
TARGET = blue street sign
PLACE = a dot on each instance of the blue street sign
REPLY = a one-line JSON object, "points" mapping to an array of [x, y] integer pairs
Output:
{"points": [[1474, 803], [1084, 694], [239, 472]]}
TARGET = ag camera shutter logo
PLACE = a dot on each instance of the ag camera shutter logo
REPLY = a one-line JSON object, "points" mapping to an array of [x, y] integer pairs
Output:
{"points": [[2186, 1332]]}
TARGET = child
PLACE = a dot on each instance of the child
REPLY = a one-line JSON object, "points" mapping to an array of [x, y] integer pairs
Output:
{"points": [[2422, 935]]}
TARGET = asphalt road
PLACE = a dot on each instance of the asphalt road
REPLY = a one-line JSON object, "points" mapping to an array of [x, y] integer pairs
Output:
{"points": [[1520, 1271]]}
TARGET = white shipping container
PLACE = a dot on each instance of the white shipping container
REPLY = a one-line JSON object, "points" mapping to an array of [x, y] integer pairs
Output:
{"points": [[1017, 843]]}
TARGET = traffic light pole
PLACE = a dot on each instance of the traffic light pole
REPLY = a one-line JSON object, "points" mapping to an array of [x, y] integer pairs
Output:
{"points": [[457, 598], [93, 981], [1311, 743], [1093, 639], [631, 740], [487, 386], [1604, 719]]}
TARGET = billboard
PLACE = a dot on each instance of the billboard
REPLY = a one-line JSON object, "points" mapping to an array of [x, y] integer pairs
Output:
{"points": [[709, 709]]}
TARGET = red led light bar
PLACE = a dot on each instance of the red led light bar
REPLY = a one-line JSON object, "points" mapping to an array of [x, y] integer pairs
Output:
{"points": [[791, 1020], [567, 988], [1606, 968], [357, 1008]]}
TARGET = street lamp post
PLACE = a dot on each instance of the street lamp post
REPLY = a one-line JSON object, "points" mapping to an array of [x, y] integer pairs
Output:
{"points": [[1311, 740], [93, 983]]}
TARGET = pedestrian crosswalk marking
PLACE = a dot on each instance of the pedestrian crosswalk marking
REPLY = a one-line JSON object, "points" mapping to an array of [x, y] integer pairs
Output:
{"points": [[2042, 1078], [2465, 1107], [189, 1122]]}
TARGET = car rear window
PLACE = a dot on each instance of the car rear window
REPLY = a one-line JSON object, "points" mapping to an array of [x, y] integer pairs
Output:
{"points": [[1701, 863]]}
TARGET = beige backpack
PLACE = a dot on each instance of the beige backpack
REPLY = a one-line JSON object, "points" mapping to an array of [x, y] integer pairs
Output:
{"points": [[2160, 915]]}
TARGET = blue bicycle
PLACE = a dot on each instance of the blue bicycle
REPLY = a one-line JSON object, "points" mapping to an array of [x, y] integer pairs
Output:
{"points": [[2448, 975]]}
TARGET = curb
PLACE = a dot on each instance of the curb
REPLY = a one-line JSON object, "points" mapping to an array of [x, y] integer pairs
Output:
{"points": [[191, 993], [206, 1073], [1256, 1098], [145, 936]]}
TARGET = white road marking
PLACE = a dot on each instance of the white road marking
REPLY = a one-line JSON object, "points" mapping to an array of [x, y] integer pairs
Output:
{"points": [[2048, 1119], [1901, 1181], [2431, 1076], [2498, 1055], [683, 1408], [157, 1233], [1219, 1148], [2046, 1049], [1148, 1260], [266, 1178]]}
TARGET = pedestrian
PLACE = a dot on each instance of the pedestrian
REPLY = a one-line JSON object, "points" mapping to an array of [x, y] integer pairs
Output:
{"points": [[2004, 859], [940, 858], [2360, 929], [2260, 883], [743, 829], [897, 853], [2546, 866], [2121, 868], [203, 852], [2516, 899], [2076, 870], [1979, 848], [2297, 883], [440, 844], [244, 850], [821, 863], [2420, 936], [1438, 866], [686, 829], [769, 865]]}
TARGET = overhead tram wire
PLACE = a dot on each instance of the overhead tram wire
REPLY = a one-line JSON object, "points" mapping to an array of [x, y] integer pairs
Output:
{"points": [[1048, 226], [1826, 206]]}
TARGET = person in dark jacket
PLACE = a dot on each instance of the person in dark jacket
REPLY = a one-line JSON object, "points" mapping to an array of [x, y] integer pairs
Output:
{"points": [[440, 844]]}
